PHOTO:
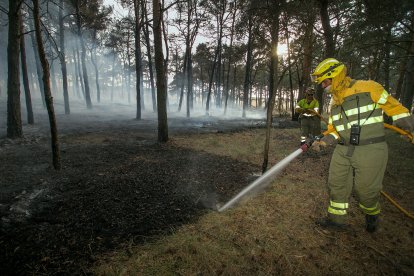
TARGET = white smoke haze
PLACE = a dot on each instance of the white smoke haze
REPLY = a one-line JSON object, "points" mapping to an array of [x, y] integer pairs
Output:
{"points": [[117, 80], [119, 109]]}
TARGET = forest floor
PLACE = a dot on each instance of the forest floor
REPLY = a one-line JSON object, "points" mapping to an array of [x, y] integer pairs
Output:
{"points": [[119, 190]]}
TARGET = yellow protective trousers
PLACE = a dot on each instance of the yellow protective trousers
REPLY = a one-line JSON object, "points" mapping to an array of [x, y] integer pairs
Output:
{"points": [[362, 171]]}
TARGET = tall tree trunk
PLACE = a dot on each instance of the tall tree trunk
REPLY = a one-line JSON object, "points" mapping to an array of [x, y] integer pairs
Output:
{"points": [[167, 55], [329, 43], [75, 82], [272, 78], [37, 60], [94, 60], [182, 80], [327, 29], [307, 56], [83, 57], [14, 120], [128, 71], [53, 77], [226, 91], [248, 67], [210, 83], [233, 97], [292, 110], [400, 81], [113, 77], [138, 61], [141, 83], [28, 97], [150, 67], [62, 57], [220, 54], [189, 84], [159, 67], [78, 78], [202, 93], [46, 83], [387, 63]]}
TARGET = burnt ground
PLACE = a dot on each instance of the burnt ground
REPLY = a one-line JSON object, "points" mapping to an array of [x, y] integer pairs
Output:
{"points": [[117, 186]]}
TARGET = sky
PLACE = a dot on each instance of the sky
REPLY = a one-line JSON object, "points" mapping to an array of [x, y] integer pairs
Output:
{"points": [[119, 11]]}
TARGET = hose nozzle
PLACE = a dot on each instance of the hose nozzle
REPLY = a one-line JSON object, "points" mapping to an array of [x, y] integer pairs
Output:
{"points": [[309, 141]]}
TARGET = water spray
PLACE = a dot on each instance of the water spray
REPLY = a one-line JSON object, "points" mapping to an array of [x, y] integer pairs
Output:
{"points": [[266, 178]]}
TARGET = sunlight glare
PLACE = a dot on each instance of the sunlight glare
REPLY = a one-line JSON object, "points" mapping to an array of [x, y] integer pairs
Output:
{"points": [[282, 49]]}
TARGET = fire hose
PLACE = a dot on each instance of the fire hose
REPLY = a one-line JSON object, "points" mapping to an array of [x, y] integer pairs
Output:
{"points": [[266, 178]]}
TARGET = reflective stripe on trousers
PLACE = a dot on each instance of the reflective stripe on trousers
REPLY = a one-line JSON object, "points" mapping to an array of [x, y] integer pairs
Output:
{"points": [[363, 172]]}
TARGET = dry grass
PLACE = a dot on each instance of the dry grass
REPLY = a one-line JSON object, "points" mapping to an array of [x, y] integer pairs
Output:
{"points": [[274, 233]]}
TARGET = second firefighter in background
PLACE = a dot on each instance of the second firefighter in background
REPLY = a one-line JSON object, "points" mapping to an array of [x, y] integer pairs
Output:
{"points": [[307, 108]]}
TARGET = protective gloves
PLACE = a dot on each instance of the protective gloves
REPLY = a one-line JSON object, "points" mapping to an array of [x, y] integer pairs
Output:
{"points": [[327, 140], [309, 111], [299, 110], [407, 124]]}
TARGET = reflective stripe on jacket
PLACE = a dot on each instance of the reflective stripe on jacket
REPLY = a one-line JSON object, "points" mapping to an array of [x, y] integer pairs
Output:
{"points": [[373, 98], [358, 109]]}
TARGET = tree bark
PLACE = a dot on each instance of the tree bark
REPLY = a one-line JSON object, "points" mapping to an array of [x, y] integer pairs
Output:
{"points": [[292, 110], [400, 81], [62, 57], [226, 91], [128, 71], [329, 43], [220, 54], [327, 29], [28, 97], [53, 76], [160, 70], [14, 120], [94, 60], [78, 70], [113, 76], [189, 83], [138, 62], [150, 67], [83, 56], [182, 81], [307, 56], [210, 84], [46, 83], [272, 79], [248, 67], [37, 60]]}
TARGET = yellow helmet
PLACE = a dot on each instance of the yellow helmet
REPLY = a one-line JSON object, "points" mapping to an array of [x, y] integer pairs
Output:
{"points": [[327, 69]]}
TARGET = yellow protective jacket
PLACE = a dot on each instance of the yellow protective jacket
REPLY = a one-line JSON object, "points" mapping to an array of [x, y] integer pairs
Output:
{"points": [[373, 100], [303, 104]]}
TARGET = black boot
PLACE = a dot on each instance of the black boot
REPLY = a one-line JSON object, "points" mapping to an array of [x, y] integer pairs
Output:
{"points": [[329, 224], [371, 223]]}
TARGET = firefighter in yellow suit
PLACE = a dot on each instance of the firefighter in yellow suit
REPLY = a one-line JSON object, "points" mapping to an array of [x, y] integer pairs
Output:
{"points": [[360, 157], [308, 107]]}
